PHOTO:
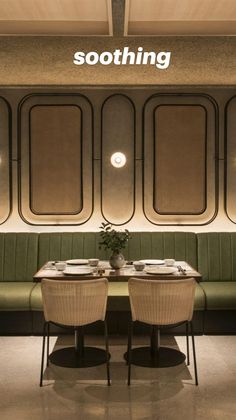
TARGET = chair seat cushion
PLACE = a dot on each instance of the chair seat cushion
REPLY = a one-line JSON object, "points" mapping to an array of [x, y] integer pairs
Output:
{"points": [[118, 297], [220, 295], [15, 296]]}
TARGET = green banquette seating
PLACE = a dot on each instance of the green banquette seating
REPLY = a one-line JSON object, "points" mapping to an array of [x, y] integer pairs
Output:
{"points": [[21, 254], [18, 263], [217, 264]]}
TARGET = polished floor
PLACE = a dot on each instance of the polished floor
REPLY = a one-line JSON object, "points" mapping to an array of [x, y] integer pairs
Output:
{"points": [[161, 394]]}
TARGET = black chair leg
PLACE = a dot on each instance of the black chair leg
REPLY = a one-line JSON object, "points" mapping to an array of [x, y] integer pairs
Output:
{"points": [[187, 343], [48, 335], [130, 334], [194, 354], [107, 353], [43, 350]]}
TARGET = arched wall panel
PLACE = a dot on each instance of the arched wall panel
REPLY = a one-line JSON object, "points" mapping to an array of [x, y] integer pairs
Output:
{"points": [[179, 159], [56, 172], [118, 135], [230, 159], [5, 165]]}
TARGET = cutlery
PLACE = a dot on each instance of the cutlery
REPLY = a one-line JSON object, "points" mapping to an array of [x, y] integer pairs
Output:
{"points": [[181, 270]]}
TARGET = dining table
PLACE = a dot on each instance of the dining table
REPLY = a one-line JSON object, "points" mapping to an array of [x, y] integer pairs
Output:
{"points": [[79, 270]]}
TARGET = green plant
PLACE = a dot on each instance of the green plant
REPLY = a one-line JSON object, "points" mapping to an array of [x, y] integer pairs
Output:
{"points": [[113, 239]]}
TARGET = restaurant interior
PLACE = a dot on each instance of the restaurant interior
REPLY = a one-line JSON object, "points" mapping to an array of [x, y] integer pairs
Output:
{"points": [[117, 209]]}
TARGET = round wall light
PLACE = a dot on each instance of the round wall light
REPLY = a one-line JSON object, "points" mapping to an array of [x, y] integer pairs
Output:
{"points": [[118, 160]]}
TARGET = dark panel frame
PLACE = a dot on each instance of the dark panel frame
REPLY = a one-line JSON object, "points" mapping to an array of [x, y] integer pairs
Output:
{"points": [[4, 219], [52, 95], [216, 144], [134, 156], [30, 165], [226, 198], [205, 166]]}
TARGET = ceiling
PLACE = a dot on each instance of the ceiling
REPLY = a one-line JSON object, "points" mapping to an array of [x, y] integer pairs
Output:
{"points": [[180, 17], [117, 17], [56, 17]]}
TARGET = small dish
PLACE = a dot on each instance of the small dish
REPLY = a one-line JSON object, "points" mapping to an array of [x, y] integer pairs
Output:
{"points": [[77, 262], [152, 262], [160, 270], [77, 271]]}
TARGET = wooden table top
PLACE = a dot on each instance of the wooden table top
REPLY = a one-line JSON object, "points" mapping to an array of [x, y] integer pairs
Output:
{"points": [[49, 271]]}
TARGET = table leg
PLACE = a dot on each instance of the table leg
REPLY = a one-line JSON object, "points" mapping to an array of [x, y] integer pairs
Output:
{"points": [[79, 340], [155, 355], [78, 356], [155, 340]]}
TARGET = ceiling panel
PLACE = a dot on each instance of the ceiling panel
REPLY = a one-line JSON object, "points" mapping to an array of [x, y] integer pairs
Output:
{"points": [[180, 17], [56, 17]]}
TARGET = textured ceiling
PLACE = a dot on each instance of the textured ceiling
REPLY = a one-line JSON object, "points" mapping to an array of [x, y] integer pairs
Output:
{"points": [[118, 17]]}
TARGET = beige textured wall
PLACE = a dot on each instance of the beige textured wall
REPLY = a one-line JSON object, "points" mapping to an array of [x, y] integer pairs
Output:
{"points": [[49, 61]]}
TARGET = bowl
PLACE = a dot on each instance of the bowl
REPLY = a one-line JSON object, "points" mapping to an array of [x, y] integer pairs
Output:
{"points": [[93, 262], [139, 265], [60, 266], [169, 262]]}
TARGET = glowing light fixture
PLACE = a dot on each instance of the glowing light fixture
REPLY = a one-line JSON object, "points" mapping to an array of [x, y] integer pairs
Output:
{"points": [[118, 160]]}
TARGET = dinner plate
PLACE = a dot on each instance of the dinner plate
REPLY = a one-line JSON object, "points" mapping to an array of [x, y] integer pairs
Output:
{"points": [[75, 271], [77, 262], [160, 270], [153, 262]]}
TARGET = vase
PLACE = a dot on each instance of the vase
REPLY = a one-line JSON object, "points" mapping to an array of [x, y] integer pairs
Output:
{"points": [[117, 260]]}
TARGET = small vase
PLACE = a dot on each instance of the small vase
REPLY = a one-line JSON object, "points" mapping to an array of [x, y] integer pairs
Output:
{"points": [[117, 260]]}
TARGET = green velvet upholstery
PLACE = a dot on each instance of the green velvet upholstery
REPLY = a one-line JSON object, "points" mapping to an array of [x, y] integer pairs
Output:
{"points": [[220, 295], [15, 296], [181, 246], [63, 246], [18, 256], [118, 297], [217, 256], [66, 245]]}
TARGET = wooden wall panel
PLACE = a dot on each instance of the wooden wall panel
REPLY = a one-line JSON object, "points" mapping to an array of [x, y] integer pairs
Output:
{"points": [[230, 160], [179, 159], [5, 166], [118, 135], [56, 173], [55, 163]]}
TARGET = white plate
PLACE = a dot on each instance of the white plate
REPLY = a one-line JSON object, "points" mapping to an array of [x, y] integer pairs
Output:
{"points": [[153, 262], [78, 271], [160, 270], [77, 262]]}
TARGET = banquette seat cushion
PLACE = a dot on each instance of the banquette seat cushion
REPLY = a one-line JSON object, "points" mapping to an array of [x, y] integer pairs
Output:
{"points": [[18, 263], [217, 264]]}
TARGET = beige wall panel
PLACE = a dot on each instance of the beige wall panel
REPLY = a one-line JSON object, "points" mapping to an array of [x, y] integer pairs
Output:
{"points": [[5, 141], [55, 163], [179, 159], [56, 159], [118, 135], [180, 141], [230, 190]]}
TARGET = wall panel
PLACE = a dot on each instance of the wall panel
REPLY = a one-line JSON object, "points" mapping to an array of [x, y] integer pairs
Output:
{"points": [[179, 159], [5, 166], [56, 173], [230, 160], [118, 135]]}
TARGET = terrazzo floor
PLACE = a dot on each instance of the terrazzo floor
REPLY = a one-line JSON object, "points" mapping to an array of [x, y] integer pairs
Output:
{"points": [[161, 394]]}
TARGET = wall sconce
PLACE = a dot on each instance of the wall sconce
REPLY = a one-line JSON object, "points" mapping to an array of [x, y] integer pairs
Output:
{"points": [[118, 160]]}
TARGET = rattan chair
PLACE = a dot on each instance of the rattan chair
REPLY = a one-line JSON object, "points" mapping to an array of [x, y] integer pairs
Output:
{"points": [[74, 304], [160, 303]]}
